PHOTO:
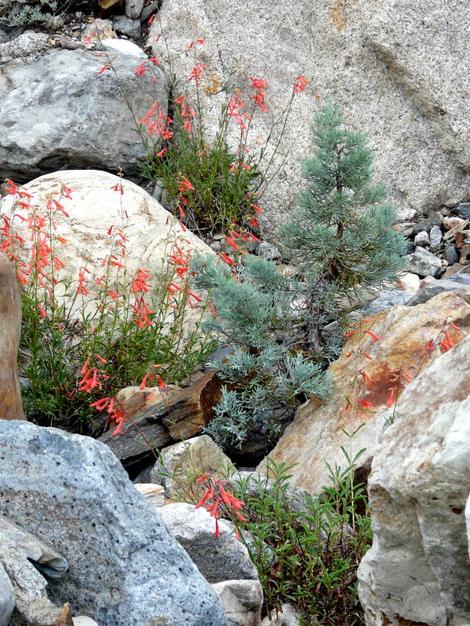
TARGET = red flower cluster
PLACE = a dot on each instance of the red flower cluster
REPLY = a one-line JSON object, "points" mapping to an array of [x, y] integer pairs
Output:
{"points": [[216, 500], [258, 98]]}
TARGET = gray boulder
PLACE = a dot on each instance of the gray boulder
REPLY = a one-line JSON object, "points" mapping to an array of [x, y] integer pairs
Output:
{"points": [[7, 599], [60, 112], [430, 287], [423, 263], [124, 567], [218, 559], [418, 568]]}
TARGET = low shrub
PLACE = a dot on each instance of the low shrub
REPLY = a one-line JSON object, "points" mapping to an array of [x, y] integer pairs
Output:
{"points": [[306, 549], [210, 177]]}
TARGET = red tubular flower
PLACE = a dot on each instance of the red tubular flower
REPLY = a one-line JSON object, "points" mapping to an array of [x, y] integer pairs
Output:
{"points": [[365, 404], [392, 397], [227, 259], [372, 335], [142, 313], [259, 101], [184, 185], [82, 289], [141, 69], [447, 343], [199, 41], [258, 83], [140, 282], [104, 68], [11, 188], [196, 72], [300, 84]]}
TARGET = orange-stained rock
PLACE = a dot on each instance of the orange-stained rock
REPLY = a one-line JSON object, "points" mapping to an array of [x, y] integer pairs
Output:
{"points": [[397, 357], [11, 406]]}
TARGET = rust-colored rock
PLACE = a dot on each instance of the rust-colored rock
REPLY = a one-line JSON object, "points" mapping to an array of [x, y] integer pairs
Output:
{"points": [[317, 433], [11, 406]]}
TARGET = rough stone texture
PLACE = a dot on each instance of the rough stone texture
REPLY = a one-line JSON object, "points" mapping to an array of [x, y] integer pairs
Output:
{"points": [[81, 620], [268, 251], [27, 46], [7, 598], [423, 263], [30, 588], [126, 26], [58, 112], [155, 494], [40, 553], [467, 519], [287, 616], [422, 239], [242, 601], [398, 70], [134, 8], [181, 463], [224, 558], [316, 434], [418, 570], [435, 237], [408, 282], [430, 287], [124, 567], [94, 208], [385, 300], [11, 406]]}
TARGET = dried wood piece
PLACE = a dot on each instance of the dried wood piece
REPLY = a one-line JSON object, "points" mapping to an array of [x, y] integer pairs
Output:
{"points": [[11, 406], [179, 414]]}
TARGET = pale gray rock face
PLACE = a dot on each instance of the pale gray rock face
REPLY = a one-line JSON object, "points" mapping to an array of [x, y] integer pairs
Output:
{"points": [[7, 599], [59, 112], [418, 568], [124, 567], [218, 559], [45, 558], [399, 72], [242, 601], [134, 8], [182, 462], [423, 263]]}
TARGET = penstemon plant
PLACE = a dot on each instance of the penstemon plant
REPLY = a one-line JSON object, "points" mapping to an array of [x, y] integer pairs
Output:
{"points": [[211, 183], [85, 337]]}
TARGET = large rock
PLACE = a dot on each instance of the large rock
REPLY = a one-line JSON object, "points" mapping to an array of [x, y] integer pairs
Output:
{"points": [[96, 207], [11, 406], [218, 559], [418, 569], [124, 567], [317, 433], [60, 112], [180, 464], [399, 71]]}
